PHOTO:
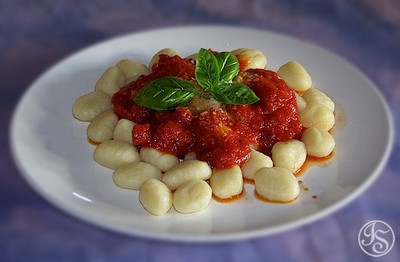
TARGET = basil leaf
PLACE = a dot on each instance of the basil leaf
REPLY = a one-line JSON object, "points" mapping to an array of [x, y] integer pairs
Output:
{"points": [[228, 66], [215, 73], [165, 93], [207, 70], [234, 94]]}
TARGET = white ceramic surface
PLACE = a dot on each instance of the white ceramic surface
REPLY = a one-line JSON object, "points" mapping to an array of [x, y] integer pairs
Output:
{"points": [[53, 155]]}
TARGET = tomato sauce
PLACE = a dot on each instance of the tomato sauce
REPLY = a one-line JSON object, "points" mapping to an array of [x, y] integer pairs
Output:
{"points": [[220, 136]]}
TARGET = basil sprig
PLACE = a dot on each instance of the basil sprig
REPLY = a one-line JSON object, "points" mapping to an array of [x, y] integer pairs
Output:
{"points": [[228, 66], [214, 73], [207, 71], [235, 94], [165, 93]]}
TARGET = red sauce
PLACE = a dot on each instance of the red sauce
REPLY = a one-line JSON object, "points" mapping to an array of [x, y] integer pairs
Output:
{"points": [[222, 137], [230, 199], [95, 143], [311, 160]]}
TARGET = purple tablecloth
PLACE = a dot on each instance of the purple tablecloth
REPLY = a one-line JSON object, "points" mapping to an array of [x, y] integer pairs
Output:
{"points": [[36, 34]]}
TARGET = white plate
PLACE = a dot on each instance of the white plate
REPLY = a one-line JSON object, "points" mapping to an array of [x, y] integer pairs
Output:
{"points": [[53, 155]]}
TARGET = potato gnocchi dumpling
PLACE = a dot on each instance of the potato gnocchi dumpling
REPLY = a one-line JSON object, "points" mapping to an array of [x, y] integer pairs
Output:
{"points": [[185, 183], [155, 197], [226, 183], [132, 69], [301, 103], [276, 184], [134, 174], [318, 143], [317, 115], [88, 106], [184, 171], [289, 154], [102, 127], [192, 196], [163, 161], [295, 75], [256, 161], [123, 130], [114, 153], [192, 56], [256, 59], [316, 95], [111, 81]]}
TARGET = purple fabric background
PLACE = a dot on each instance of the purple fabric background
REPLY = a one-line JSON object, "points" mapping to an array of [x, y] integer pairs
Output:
{"points": [[36, 34]]}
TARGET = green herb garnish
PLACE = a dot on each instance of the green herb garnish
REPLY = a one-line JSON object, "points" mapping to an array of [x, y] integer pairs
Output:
{"points": [[207, 70], [228, 66], [214, 73], [235, 94], [165, 93]]}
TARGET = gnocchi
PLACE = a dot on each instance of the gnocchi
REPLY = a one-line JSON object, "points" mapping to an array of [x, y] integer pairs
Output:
{"points": [[123, 131], [192, 196], [318, 143], [316, 95], [276, 184], [295, 75], [317, 115], [155, 197], [227, 183], [132, 69], [114, 153], [257, 160], [184, 171], [111, 81], [102, 127], [255, 58], [134, 174], [90, 105], [163, 161], [289, 154], [301, 102]]}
